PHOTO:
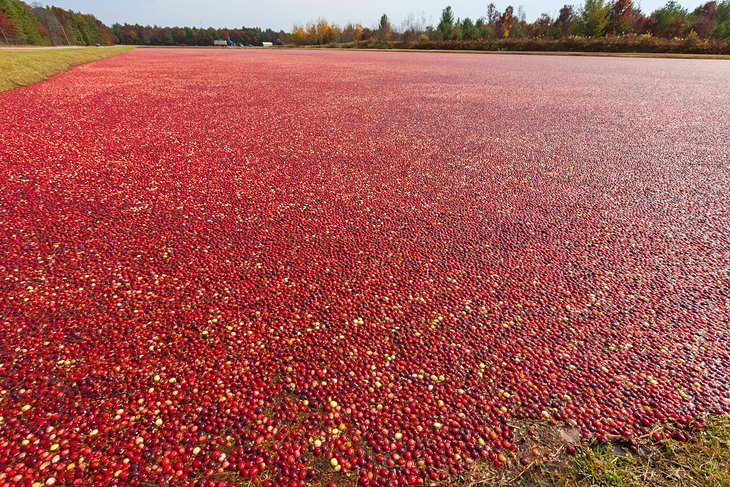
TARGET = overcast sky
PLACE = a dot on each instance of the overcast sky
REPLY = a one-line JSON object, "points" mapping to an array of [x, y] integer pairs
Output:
{"points": [[282, 14]]}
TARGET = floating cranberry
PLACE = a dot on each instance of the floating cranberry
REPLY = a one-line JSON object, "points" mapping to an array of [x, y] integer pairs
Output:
{"points": [[368, 269]]}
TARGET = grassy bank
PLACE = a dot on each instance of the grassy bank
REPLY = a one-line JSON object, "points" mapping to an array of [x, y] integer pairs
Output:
{"points": [[703, 460], [20, 67]]}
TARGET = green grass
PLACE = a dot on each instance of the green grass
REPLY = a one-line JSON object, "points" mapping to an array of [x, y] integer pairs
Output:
{"points": [[20, 67], [705, 462]]}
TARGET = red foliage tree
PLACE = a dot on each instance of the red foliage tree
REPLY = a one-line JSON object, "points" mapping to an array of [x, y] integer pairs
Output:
{"points": [[506, 22], [703, 19], [623, 17], [565, 20], [7, 29]]}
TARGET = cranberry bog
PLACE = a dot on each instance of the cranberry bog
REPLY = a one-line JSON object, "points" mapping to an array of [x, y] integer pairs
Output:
{"points": [[311, 267]]}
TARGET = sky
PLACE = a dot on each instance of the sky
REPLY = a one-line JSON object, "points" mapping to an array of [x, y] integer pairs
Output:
{"points": [[283, 14]]}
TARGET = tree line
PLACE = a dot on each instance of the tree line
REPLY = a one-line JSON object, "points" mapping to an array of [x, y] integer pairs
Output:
{"points": [[35, 24], [593, 19], [145, 35], [617, 25]]}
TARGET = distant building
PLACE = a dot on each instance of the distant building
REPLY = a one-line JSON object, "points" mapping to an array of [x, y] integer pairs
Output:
{"points": [[220, 43], [267, 44]]}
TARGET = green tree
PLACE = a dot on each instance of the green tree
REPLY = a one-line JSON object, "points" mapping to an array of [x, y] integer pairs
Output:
{"points": [[167, 36], [27, 29], [446, 25], [722, 20], [518, 31], [484, 30], [468, 29], [594, 17], [670, 20]]}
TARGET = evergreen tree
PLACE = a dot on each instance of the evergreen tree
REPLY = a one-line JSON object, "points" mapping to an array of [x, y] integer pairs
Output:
{"points": [[446, 25], [594, 17], [722, 20]]}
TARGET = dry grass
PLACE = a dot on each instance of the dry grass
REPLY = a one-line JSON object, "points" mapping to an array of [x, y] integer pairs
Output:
{"points": [[20, 67]]}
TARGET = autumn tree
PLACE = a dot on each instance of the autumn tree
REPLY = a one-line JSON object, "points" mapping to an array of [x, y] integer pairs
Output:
{"points": [[352, 32], [326, 32], [542, 27], [622, 17], [385, 29], [565, 22], [506, 22], [702, 19], [7, 29], [51, 24], [413, 26], [493, 16], [298, 35], [26, 27]]}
